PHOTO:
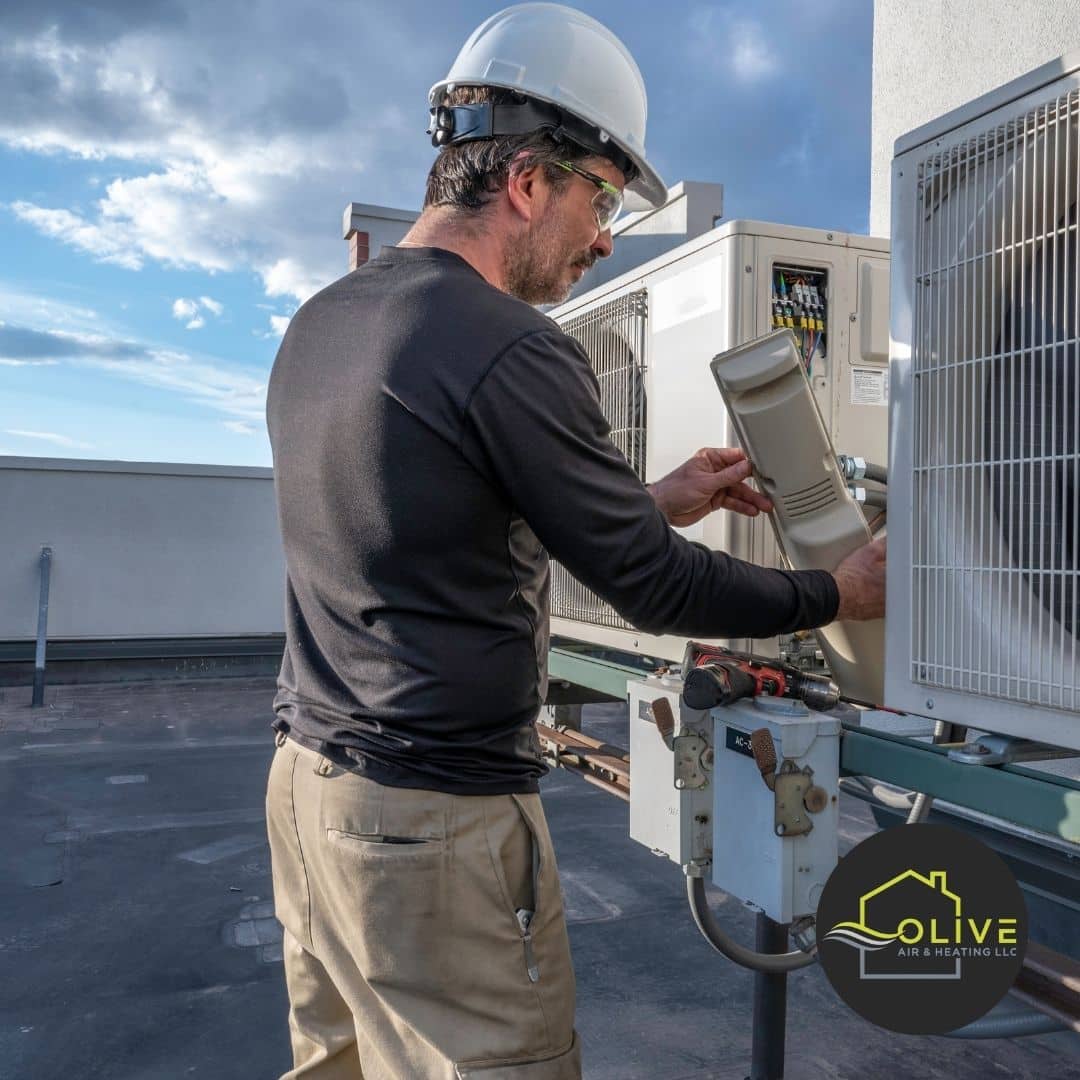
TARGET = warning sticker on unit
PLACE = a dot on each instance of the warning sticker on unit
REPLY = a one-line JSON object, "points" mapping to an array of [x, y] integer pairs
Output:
{"points": [[869, 386]]}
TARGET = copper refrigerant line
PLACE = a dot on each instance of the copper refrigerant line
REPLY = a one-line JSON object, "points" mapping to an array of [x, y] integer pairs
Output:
{"points": [[606, 766]]}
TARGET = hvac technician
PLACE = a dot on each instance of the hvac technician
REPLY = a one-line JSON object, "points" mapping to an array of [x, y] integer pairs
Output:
{"points": [[435, 439]]}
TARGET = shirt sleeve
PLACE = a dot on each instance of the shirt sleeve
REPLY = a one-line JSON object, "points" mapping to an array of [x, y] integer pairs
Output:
{"points": [[535, 422]]}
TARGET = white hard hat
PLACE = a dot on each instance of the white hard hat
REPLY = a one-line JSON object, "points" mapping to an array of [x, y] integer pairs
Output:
{"points": [[555, 54]]}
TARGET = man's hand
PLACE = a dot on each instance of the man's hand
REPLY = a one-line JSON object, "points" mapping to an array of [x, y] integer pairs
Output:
{"points": [[713, 479], [860, 579]]}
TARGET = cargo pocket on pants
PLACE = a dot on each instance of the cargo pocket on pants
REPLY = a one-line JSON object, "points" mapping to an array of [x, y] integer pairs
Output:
{"points": [[563, 1066]]}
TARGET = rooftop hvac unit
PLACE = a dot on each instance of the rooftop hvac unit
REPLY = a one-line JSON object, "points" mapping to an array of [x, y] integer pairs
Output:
{"points": [[651, 335], [983, 620]]}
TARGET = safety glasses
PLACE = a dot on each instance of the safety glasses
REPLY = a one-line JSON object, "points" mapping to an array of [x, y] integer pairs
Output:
{"points": [[606, 203]]}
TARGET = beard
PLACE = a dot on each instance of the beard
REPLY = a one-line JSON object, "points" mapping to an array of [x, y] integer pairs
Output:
{"points": [[537, 270]]}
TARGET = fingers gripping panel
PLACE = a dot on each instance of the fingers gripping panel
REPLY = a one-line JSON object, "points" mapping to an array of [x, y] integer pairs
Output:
{"points": [[817, 523]]}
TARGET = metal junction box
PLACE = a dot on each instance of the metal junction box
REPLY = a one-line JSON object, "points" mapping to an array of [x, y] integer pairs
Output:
{"points": [[671, 820], [775, 849], [698, 795]]}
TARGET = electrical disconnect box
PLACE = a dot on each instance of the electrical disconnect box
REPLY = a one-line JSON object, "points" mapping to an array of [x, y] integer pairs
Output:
{"points": [[774, 847], [671, 795], [746, 794]]}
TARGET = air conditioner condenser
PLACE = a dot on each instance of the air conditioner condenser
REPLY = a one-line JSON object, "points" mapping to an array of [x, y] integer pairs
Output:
{"points": [[984, 578]]}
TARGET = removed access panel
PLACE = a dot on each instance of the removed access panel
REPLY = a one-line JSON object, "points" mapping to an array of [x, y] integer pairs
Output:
{"points": [[817, 523]]}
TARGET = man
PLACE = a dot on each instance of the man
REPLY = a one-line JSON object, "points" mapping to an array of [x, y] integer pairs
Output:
{"points": [[435, 437]]}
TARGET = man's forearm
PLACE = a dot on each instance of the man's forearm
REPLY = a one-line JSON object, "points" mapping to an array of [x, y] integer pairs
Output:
{"points": [[657, 493]]}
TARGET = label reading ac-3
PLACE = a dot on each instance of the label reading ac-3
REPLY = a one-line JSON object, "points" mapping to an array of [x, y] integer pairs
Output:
{"points": [[738, 741]]}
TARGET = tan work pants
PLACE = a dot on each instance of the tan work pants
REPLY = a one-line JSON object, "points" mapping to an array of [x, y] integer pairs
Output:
{"points": [[409, 950]]}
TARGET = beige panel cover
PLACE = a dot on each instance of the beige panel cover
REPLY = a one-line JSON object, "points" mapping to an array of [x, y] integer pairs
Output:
{"points": [[817, 522]]}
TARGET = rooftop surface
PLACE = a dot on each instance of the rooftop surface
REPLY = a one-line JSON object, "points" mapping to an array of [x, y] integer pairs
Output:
{"points": [[137, 938]]}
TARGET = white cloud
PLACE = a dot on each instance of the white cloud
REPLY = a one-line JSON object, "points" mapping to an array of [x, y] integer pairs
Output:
{"points": [[729, 42], [237, 392], [103, 241], [239, 427], [45, 311], [50, 436], [189, 309], [290, 277], [206, 383], [752, 57], [279, 324], [243, 162], [6, 361]]}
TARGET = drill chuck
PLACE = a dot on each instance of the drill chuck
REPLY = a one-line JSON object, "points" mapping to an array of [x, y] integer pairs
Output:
{"points": [[816, 692]]}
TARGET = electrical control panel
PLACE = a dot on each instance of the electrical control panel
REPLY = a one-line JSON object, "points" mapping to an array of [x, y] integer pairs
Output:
{"points": [[800, 303]]}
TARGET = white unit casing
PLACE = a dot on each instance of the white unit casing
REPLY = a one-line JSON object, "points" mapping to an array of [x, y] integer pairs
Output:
{"points": [[781, 875], [670, 820], [651, 335], [984, 578]]}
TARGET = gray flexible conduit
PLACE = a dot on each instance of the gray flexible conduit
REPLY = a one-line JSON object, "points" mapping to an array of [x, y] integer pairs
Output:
{"points": [[878, 473], [895, 800], [1008, 1025], [771, 963]]}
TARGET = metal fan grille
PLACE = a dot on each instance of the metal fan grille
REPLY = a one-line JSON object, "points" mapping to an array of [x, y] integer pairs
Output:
{"points": [[614, 337], [996, 392]]}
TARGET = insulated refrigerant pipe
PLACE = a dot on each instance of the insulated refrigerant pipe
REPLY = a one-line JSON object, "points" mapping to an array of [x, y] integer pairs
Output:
{"points": [[856, 468], [772, 963]]}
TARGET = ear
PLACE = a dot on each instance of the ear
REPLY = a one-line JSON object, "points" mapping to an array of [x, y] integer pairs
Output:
{"points": [[527, 189]]}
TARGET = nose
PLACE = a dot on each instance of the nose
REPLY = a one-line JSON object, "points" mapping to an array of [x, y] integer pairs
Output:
{"points": [[603, 245]]}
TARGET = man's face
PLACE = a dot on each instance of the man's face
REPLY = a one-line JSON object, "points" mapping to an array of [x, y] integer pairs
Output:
{"points": [[562, 242]]}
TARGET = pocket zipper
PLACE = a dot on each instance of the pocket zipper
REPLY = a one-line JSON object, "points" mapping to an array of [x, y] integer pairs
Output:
{"points": [[524, 920], [524, 915]]}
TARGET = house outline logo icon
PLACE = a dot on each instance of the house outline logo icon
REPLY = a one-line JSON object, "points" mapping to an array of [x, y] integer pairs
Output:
{"points": [[864, 937]]}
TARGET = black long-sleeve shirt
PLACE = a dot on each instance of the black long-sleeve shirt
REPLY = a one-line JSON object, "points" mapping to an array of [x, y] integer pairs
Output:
{"points": [[434, 440]]}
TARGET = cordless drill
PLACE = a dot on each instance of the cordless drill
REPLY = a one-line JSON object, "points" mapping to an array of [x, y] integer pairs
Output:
{"points": [[714, 676]]}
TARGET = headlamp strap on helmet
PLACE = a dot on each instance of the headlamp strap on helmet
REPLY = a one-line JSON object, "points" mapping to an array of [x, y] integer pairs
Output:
{"points": [[454, 124]]}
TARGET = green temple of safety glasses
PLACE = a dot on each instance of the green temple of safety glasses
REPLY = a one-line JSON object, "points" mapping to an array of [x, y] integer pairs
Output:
{"points": [[606, 203]]}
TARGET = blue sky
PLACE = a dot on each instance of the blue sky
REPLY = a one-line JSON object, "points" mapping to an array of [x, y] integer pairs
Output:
{"points": [[173, 177]]}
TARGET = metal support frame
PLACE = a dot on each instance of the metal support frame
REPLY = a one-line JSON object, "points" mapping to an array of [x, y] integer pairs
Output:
{"points": [[44, 564], [603, 671], [1042, 801], [770, 1005]]}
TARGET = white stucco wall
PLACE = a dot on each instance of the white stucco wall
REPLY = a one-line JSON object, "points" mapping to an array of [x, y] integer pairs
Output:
{"points": [[140, 549], [931, 56]]}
